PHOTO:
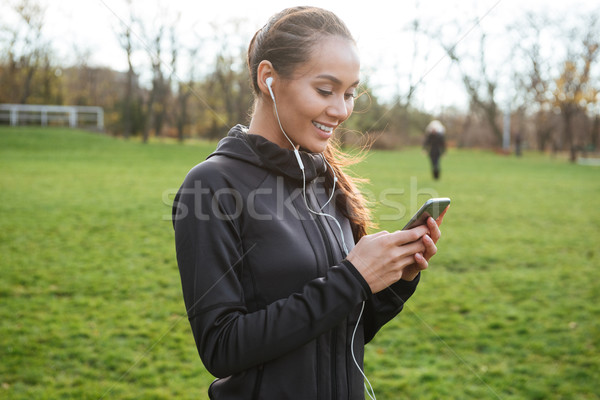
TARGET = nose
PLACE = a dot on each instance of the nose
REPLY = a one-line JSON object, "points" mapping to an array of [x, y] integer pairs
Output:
{"points": [[339, 108]]}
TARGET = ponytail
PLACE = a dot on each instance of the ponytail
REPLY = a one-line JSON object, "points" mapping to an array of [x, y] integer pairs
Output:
{"points": [[348, 199]]}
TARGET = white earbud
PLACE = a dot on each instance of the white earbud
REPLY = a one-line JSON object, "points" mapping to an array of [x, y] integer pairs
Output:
{"points": [[269, 82]]}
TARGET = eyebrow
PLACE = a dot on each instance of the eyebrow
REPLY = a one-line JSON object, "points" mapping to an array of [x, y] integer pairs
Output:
{"points": [[334, 79]]}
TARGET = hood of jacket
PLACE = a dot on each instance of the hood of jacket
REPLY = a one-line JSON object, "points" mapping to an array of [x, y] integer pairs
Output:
{"points": [[257, 150]]}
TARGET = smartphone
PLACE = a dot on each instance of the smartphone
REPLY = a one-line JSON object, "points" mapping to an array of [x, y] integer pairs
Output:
{"points": [[432, 208]]}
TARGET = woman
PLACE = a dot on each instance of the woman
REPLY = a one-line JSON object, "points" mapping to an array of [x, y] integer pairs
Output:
{"points": [[273, 296], [435, 145]]}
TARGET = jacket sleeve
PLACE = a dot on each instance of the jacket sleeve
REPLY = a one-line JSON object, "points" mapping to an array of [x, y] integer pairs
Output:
{"points": [[210, 255], [385, 305]]}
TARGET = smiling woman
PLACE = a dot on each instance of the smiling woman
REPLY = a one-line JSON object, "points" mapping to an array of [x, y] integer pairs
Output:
{"points": [[282, 285], [315, 100]]}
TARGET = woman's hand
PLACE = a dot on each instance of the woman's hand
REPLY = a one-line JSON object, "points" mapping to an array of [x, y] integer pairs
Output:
{"points": [[384, 258], [429, 241]]}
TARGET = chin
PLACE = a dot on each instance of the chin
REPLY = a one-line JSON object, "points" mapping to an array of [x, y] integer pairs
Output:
{"points": [[317, 147]]}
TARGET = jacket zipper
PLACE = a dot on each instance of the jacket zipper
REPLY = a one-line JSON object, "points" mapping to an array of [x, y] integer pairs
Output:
{"points": [[334, 332]]}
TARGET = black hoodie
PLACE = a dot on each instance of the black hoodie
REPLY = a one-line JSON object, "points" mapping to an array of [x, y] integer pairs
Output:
{"points": [[271, 301]]}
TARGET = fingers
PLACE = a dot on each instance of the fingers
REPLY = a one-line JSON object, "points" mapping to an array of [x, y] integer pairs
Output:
{"points": [[399, 238], [434, 229], [421, 261], [392, 259], [408, 251], [440, 219], [430, 247], [378, 234], [383, 258]]}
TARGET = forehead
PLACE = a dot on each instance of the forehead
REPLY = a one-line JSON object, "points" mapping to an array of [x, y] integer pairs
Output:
{"points": [[334, 56]]}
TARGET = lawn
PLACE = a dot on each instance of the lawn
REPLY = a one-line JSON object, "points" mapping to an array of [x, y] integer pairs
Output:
{"points": [[91, 304]]}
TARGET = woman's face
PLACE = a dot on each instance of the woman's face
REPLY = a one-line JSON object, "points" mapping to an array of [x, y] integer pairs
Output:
{"points": [[319, 96]]}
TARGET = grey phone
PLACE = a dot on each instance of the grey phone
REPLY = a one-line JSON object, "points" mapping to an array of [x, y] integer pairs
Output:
{"points": [[432, 208]]}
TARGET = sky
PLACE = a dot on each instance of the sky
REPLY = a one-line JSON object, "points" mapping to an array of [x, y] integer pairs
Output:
{"points": [[380, 27]]}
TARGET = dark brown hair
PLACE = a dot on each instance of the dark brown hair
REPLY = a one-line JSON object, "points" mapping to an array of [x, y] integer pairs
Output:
{"points": [[287, 41], [289, 37]]}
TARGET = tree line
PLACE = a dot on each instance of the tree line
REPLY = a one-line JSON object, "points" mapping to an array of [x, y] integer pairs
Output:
{"points": [[198, 91]]}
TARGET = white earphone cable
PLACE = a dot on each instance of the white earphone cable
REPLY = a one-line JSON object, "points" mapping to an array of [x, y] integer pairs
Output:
{"points": [[370, 392], [281, 127], [368, 389], [335, 179]]}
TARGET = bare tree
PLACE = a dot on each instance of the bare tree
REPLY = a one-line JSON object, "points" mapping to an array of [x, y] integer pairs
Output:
{"points": [[230, 75], [83, 88], [407, 81], [33, 16], [402, 109], [574, 88], [27, 52], [158, 101], [184, 92], [49, 83], [595, 133], [125, 36], [399, 119], [535, 82], [481, 87]]}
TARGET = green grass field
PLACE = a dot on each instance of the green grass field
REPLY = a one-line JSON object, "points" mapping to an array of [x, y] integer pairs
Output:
{"points": [[91, 304]]}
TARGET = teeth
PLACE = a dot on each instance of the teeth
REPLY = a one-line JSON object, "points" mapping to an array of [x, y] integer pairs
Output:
{"points": [[323, 127]]}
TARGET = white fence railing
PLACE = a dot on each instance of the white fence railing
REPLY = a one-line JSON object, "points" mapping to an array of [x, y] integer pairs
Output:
{"points": [[44, 115]]}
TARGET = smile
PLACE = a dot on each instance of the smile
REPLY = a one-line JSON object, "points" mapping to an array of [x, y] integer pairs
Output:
{"points": [[322, 127]]}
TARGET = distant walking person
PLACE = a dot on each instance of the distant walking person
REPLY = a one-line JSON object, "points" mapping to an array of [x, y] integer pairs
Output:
{"points": [[435, 144], [518, 144]]}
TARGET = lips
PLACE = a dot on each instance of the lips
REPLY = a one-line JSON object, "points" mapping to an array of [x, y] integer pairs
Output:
{"points": [[322, 127]]}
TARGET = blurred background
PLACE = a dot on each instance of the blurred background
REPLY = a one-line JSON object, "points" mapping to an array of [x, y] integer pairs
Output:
{"points": [[491, 71]]}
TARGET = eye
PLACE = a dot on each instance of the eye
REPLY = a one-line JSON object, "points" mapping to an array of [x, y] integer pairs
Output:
{"points": [[349, 96], [324, 92]]}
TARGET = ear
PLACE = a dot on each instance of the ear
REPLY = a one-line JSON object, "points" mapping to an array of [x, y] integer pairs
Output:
{"points": [[265, 70]]}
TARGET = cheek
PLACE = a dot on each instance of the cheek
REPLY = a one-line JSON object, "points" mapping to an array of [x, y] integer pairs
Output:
{"points": [[308, 102], [315, 104], [350, 107]]}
